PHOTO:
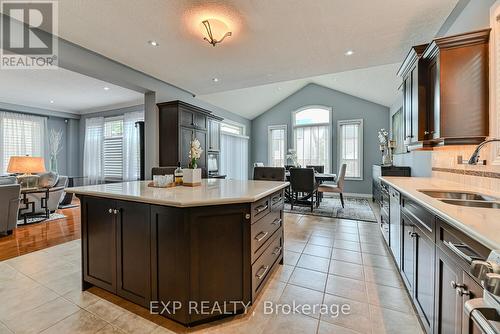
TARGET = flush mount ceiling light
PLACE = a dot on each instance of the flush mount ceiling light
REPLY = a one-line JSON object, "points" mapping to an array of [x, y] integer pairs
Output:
{"points": [[106, 88], [210, 37], [51, 101], [153, 43], [349, 53], [215, 79]]}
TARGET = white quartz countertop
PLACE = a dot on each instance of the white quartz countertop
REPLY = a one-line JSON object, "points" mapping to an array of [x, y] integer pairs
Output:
{"points": [[211, 192], [481, 224]]}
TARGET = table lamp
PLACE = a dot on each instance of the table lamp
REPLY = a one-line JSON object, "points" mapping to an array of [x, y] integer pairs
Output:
{"points": [[26, 165]]}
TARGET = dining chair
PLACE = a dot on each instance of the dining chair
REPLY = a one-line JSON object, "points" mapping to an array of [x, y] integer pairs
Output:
{"points": [[317, 168], [302, 180], [287, 167], [258, 164], [269, 173], [337, 187]]}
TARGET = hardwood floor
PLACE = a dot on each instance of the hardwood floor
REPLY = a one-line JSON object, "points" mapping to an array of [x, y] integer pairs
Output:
{"points": [[33, 237]]}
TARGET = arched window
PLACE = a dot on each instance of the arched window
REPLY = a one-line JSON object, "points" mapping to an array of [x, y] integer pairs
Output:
{"points": [[311, 135]]}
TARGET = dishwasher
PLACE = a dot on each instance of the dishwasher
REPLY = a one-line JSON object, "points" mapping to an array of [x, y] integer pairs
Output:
{"points": [[395, 225]]}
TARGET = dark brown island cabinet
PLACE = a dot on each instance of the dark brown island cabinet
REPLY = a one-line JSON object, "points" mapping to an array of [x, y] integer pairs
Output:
{"points": [[434, 260], [191, 264], [179, 124], [446, 91]]}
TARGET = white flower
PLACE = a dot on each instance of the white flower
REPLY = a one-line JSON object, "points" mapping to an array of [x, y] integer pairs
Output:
{"points": [[196, 150]]}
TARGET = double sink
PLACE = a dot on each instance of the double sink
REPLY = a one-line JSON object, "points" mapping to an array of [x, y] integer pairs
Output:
{"points": [[462, 198]]}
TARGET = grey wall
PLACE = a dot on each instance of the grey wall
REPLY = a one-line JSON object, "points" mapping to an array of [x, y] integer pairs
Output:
{"points": [[344, 107], [57, 120]]}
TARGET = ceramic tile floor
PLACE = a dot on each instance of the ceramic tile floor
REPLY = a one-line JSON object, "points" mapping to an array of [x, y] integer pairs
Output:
{"points": [[327, 261]]}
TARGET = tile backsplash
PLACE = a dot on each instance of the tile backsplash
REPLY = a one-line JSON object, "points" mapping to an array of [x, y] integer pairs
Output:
{"points": [[445, 166]]}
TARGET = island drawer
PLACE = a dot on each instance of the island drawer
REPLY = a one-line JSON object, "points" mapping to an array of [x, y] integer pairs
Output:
{"points": [[260, 208], [262, 230], [278, 201], [264, 264]]}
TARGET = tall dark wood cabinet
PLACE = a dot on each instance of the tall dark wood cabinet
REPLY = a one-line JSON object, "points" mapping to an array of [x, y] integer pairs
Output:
{"points": [[458, 88], [179, 123], [413, 73]]}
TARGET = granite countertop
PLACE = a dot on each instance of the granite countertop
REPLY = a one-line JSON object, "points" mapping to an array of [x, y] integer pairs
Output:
{"points": [[481, 224], [211, 192]]}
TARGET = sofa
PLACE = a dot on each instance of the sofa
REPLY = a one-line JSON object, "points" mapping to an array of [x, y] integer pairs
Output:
{"points": [[9, 203]]}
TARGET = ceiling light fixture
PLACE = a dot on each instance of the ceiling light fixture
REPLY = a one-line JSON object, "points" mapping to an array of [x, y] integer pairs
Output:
{"points": [[153, 43], [349, 53], [51, 101], [215, 79], [106, 88], [210, 37]]}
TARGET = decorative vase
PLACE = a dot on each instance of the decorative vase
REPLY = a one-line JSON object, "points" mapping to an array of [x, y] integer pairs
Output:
{"points": [[386, 158], [53, 163], [191, 177]]}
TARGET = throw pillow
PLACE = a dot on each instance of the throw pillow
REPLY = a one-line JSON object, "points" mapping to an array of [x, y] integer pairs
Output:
{"points": [[47, 180]]}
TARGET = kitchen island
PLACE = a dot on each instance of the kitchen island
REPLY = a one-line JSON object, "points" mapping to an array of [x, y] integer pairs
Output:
{"points": [[191, 254]]}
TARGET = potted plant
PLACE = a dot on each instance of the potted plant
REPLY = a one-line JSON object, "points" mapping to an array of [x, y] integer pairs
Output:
{"points": [[192, 175]]}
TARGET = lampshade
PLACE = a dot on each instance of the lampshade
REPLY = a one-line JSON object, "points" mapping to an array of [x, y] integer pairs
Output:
{"points": [[26, 165]]}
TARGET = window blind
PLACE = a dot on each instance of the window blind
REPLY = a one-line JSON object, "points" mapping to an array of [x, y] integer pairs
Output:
{"points": [[350, 150]]}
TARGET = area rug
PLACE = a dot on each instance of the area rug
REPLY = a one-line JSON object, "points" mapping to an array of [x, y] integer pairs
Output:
{"points": [[31, 220], [355, 208]]}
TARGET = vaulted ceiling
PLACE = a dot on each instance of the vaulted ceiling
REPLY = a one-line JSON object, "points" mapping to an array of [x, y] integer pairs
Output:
{"points": [[272, 41]]}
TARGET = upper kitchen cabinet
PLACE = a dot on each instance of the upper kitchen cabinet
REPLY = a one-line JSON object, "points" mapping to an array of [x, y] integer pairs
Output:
{"points": [[457, 88], [179, 124], [414, 93]]}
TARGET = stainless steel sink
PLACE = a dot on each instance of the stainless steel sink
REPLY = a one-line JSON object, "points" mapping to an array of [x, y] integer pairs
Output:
{"points": [[474, 204], [457, 195]]}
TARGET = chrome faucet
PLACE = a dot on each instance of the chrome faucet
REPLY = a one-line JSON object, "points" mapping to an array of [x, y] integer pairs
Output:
{"points": [[475, 156]]}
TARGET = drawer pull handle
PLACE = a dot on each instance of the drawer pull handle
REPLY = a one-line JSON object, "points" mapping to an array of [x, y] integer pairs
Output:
{"points": [[261, 208], [277, 221], [455, 248], [277, 250], [264, 271], [110, 210], [276, 200], [259, 239], [454, 285]]}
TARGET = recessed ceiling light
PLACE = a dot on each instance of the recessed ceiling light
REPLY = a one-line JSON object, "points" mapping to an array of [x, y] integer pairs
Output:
{"points": [[51, 101], [349, 53], [215, 79], [106, 88], [153, 43]]}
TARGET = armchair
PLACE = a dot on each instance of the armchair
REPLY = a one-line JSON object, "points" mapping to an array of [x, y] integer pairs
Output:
{"points": [[43, 200], [9, 204]]}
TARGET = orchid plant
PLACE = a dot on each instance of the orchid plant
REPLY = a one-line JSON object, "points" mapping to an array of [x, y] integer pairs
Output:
{"points": [[195, 153]]}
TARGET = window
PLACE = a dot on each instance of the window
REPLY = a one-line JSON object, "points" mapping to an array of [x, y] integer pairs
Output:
{"points": [[21, 135], [234, 151], [311, 132], [277, 145], [232, 128], [113, 149], [350, 150]]}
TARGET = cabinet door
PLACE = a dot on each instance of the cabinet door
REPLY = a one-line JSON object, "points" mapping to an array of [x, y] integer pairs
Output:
{"points": [[407, 105], [202, 138], [395, 226], [424, 278], [133, 255], [99, 242], [408, 253], [414, 107], [186, 118], [434, 99], [186, 135], [200, 121], [213, 135], [449, 307]]}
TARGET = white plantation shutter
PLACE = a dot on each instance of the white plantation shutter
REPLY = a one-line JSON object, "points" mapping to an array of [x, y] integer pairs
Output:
{"points": [[21, 134], [113, 148], [350, 150], [277, 145]]}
